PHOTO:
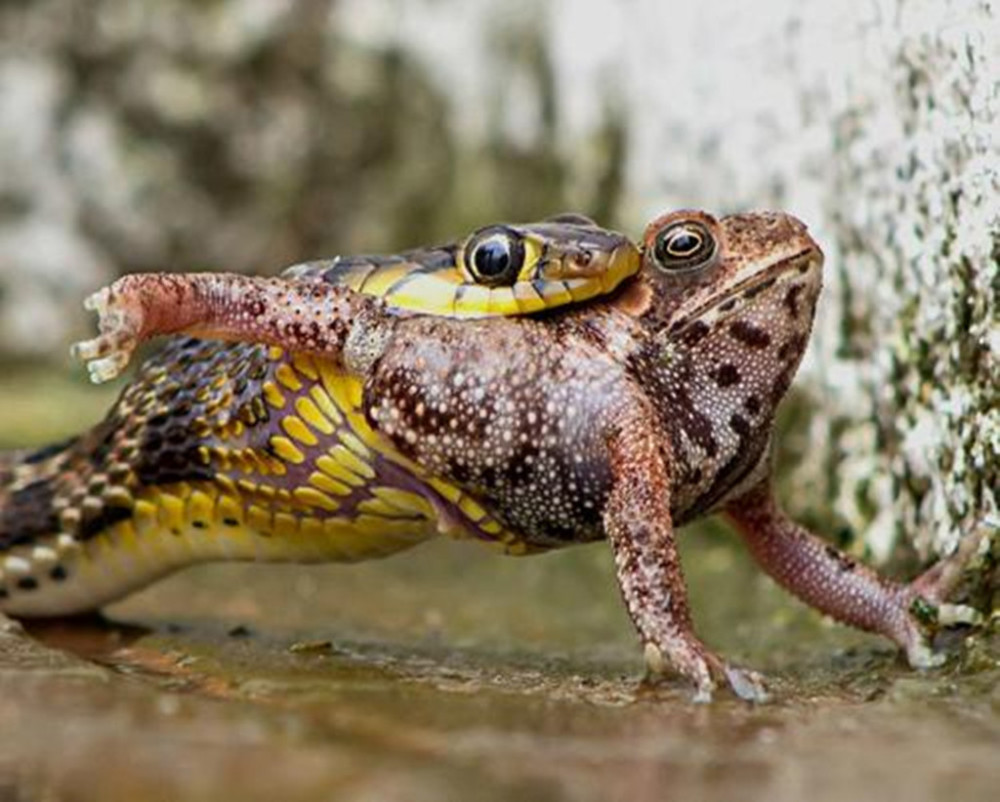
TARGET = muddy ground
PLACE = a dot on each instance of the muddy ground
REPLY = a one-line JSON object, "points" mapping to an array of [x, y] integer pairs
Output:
{"points": [[451, 673]]}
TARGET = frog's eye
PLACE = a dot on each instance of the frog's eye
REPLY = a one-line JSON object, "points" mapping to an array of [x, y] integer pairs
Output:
{"points": [[495, 255], [683, 246]]}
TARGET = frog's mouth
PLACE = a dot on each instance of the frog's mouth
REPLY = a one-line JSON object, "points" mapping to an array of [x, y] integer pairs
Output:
{"points": [[795, 277]]}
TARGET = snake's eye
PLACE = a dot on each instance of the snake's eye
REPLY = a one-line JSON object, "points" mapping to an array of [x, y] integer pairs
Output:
{"points": [[495, 255], [683, 246]]}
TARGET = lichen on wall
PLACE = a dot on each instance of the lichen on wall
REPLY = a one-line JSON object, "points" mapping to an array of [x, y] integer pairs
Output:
{"points": [[915, 205]]}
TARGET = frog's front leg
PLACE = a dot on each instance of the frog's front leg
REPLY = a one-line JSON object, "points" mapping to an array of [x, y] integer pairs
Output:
{"points": [[836, 584], [301, 316], [638, 524]]}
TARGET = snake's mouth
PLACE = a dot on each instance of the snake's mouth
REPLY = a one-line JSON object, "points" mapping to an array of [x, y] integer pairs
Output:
{"points": [[601, 268]]}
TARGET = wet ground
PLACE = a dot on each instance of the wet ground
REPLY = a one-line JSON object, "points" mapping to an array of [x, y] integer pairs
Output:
{"points": [[448, 673]]}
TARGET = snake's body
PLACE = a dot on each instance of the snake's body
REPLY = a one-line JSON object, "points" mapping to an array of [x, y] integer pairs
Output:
{"points": [[239, 451]]}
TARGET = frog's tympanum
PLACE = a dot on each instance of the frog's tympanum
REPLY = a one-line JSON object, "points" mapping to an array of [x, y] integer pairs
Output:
{"points": [[352, 415]]}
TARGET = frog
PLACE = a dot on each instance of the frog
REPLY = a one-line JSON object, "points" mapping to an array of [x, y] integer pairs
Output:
{"points": [[621, 418]]}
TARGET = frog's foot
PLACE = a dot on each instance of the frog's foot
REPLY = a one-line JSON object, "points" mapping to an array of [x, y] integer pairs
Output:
{"points": [[929, 592], [120, 324], [939, 581], [706, 670]]}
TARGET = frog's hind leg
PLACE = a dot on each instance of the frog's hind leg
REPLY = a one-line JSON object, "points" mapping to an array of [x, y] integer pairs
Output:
{"points": [[300, 316], [835, 583]]}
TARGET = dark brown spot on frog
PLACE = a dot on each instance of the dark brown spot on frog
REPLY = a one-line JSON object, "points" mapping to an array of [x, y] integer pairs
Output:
{"points": [[673, 390], [749, 334], [641, 535], [792, 299], [757, 289], [751, 404], [782, 382], [458, 471], [792, 347], [739, 424], [700, 429], [695, 333], [844, 562], [727, 375], [594, 333], [255, 307]]}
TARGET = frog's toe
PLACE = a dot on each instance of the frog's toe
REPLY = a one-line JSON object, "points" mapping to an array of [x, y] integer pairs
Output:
{"points": [[921, 656], [87, 350], [119, 322], [106, 356], [939, 581], [104, 370], [746, 684], [703, 693], [956, 615], [98, 301]]}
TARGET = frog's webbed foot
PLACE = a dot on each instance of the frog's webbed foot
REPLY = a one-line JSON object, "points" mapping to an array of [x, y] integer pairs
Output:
{"points": [[839, 586], [707, 670], [930, 591], [120, 324], [300, 316], [637, 521]]}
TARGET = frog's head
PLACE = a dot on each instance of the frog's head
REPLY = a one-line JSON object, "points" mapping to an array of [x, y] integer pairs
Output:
{"points": [[729, 304], [741, 290], [758, 267]]}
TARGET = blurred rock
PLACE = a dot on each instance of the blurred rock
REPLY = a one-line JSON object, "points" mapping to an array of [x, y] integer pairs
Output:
{"points": [[240, 135]]}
